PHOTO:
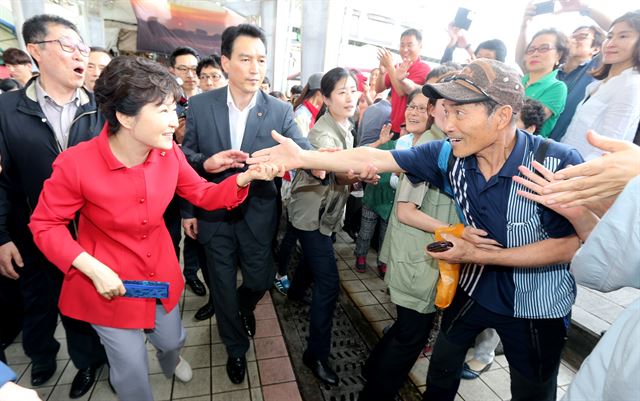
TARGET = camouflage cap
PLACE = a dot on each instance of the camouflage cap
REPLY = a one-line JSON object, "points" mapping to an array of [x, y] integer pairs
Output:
{"points": [[481, 80]]}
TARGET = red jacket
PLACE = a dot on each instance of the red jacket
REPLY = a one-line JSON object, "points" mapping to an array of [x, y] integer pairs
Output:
{"points": [[120, 224]]}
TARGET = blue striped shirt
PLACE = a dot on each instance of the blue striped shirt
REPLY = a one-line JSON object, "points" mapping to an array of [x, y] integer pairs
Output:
{"points": [[494, 206]]}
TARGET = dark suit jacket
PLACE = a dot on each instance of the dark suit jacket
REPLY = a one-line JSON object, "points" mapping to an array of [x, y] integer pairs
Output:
{"points": [[207, 133]]}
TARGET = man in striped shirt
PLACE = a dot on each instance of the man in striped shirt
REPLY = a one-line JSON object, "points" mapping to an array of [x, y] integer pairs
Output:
{"points": [[515, 253]]}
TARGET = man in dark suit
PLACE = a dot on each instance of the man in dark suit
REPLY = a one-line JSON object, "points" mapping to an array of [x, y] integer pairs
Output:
{"points": [[241, 117]]}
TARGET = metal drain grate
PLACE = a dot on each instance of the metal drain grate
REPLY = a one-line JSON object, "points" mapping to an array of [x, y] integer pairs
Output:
{"points": [[352, 339]]}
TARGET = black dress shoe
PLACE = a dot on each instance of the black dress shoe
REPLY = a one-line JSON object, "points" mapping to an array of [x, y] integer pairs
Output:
{"points": [[83, 381], [320, 369], [236, 368], [196, 286], [249, 323], [40, 373], [205, 312]]}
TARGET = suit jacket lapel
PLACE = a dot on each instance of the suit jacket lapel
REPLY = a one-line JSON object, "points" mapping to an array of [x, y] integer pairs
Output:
{"points": [[254, 121], [221, 118]]}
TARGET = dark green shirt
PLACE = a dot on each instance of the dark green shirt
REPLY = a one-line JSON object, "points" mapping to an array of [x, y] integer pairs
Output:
{"points": [[552, 93]]}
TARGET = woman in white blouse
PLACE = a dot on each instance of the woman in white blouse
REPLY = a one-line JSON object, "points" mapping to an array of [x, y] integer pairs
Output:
{"points": [[611, 105]]}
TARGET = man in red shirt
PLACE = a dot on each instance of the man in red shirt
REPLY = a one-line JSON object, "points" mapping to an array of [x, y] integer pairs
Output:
{"points": [[402, 78]]}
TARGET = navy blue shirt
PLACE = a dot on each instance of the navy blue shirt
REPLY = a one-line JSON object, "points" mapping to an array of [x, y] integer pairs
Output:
{"points": [[494, 206], [576, 81]]}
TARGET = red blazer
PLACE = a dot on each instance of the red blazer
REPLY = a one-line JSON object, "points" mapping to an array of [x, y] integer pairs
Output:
{"points": [[120, 224]]}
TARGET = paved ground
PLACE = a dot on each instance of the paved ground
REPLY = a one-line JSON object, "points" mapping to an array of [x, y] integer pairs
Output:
{"points": [[270, 374]]}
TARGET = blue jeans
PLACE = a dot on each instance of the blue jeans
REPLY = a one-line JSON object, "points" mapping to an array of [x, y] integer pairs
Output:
{"points": [[319, 264]]}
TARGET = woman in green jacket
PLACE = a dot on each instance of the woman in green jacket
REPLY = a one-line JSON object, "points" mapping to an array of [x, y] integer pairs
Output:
{"points": [[315, 210]]}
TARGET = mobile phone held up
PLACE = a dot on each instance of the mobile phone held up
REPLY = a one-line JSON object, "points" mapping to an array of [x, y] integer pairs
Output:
{"points": [[545, 7], [439, 246], [463, 18]]}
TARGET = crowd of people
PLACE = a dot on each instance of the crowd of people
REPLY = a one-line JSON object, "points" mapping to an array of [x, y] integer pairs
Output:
{"points": [[206, 155]]}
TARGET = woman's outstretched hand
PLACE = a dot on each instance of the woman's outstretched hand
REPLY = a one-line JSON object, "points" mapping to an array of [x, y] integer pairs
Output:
{"points": [[262, 171]]}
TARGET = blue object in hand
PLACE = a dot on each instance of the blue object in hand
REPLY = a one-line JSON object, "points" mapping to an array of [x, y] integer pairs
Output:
{"points": [[146, 289]]}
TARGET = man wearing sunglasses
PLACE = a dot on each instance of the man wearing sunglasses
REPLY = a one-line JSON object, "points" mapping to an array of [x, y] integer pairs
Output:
{"points": [[51, 113]]}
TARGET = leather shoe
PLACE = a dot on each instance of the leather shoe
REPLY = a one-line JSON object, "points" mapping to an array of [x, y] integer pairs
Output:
{"points": [[83, 381], [470, 374], [236, 368], [320, 369], [249, 323], [205, 312], [40, 373], [196, 286]]}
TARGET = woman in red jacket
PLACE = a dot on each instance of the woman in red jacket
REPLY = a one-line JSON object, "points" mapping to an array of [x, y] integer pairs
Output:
{"points": [[120, 183]]}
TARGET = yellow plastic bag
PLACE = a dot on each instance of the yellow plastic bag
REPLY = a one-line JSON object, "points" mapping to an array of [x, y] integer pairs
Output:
{"points": [[449, 273]]}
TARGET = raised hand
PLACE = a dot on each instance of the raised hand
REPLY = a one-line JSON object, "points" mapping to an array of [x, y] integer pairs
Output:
{"points": [[386, 59], [385, 134], [453, 32], [536, 184], [287, 153], [225, 160], [598, 179], [402, 71]]}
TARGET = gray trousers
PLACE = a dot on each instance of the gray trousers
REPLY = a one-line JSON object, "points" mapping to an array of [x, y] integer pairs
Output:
{"points": [[127, 354], [485, 347]]}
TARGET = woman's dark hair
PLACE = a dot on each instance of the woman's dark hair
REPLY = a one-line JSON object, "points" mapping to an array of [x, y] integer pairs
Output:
{"points": [[304, 95], [632, 18], [329, 82], [230, 35], [561, 45], [532, 114], [129, 83], [7, 85]]}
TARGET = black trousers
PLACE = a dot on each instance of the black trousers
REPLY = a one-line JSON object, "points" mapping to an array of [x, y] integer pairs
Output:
{"points": [[532, 348], [318, 264], [395, 354], [40, 285], [194, 258], [233, 245]]}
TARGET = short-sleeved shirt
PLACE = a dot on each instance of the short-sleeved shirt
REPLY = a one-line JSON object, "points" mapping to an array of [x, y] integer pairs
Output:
{"points": [[417, 73], [511, 220], [552, 93], [576, 81]]}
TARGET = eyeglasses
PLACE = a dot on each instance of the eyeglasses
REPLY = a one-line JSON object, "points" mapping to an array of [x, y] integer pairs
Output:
{"points": [[214, 77], [470, 82], [540, 49], [413, 107], [68, 46], [185, 69]]}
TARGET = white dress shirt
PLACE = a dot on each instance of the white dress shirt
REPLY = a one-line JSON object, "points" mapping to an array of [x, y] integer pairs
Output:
{"points": [[238, 119], [611, 109]]}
